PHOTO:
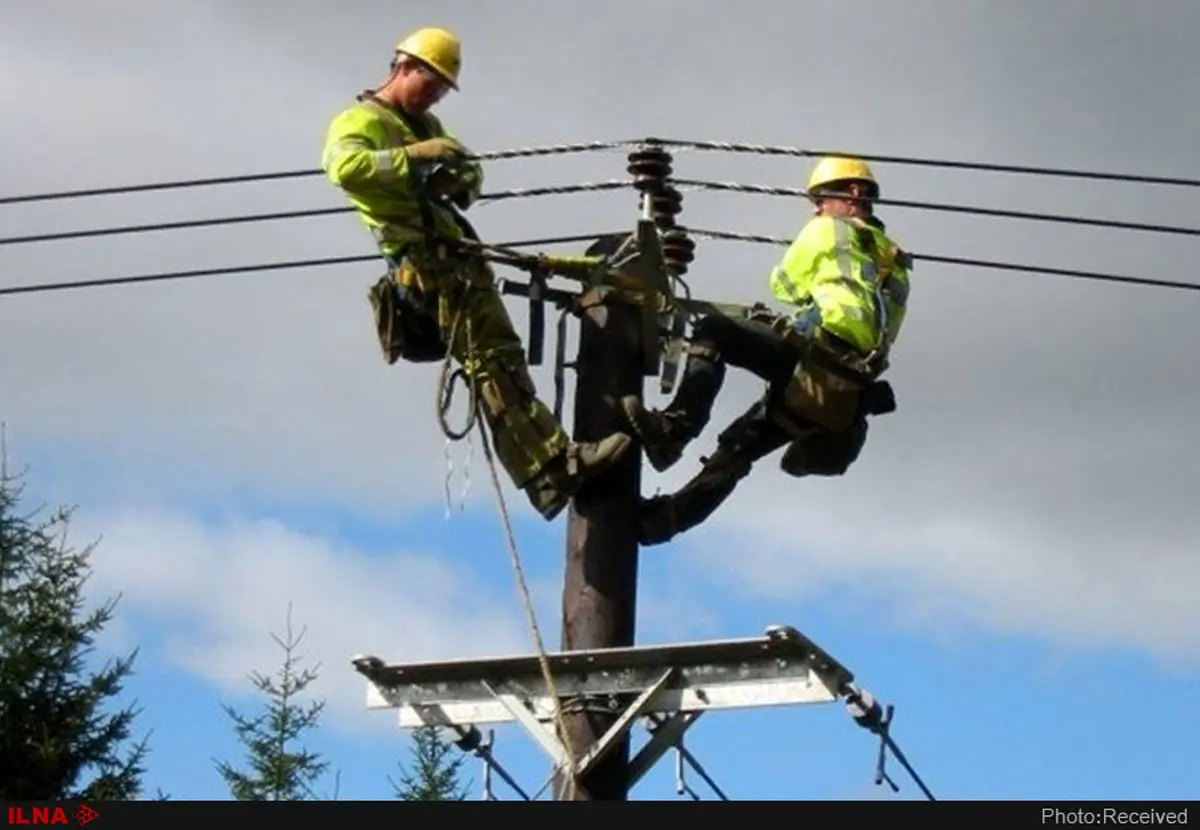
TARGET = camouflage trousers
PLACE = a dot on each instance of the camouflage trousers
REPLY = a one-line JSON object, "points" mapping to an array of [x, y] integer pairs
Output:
{"points": [[428, 305]]}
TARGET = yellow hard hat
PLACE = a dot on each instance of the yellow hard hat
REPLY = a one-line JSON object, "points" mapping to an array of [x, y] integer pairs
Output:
{"points": [[841, 168], [439, 49]]}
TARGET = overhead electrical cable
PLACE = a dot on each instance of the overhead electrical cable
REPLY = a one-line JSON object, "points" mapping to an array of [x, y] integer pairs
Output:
{"points": [[697, 184], [594, 146], [33, 288]]}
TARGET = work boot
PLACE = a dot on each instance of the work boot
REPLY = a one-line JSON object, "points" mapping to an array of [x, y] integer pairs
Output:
{"points": [[552, 489], [660, 432], [656, 520], [662, 518], [666, 433]]}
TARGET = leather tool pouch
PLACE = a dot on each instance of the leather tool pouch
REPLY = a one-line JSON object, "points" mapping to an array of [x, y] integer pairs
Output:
{"points": [[822, 396], [404, 330]]}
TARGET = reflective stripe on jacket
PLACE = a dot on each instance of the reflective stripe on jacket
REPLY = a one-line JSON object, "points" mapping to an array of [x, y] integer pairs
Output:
{"points": [[364, 156], [852, 275]]}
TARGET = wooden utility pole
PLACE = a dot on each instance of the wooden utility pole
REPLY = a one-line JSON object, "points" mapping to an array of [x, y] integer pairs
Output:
{"points": [[600, 584]]}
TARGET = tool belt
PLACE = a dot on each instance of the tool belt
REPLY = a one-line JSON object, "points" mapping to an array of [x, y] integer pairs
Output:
{"points": [[830, 380], [406, 317], [415, 303]]}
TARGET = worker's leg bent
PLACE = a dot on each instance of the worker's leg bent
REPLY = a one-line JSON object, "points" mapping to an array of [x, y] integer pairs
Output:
{"points": [[747, 439], [716, 341], [529, 441]]}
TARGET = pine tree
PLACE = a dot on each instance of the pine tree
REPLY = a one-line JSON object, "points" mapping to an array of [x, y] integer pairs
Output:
{"points": [[434, 775], [280, 768], [57, 739]]}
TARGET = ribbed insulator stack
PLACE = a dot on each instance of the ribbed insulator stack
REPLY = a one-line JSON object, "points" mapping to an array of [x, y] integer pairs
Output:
{"points": [[650, 166]]}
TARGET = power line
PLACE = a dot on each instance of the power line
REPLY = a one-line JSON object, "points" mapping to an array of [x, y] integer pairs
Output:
{"points": [[977, 263], [727, 235], [116, 230], [307, 213], [771, 190], [586, 187], [593, 146], [34, 288], [919, 161], [244, 178]]}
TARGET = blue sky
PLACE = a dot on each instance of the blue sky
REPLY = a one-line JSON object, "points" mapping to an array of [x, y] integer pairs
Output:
{"points": [[979, 715], [1011, 561]]}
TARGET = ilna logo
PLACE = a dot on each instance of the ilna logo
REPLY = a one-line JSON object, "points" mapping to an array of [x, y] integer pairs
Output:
{"points": [[50, 815]]}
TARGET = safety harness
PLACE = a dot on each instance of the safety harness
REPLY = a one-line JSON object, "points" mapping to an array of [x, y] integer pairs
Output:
{"points": [[832, 382], [406, 327]]}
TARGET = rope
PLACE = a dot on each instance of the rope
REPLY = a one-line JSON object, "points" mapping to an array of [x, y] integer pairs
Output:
{"points": [[445, 396], [445, 383], [770, 190]]}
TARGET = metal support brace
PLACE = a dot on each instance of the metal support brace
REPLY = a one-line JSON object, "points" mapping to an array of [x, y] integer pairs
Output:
{"points": [[553, 746], [561, 364], [537, 316], [624, 723], [672, 352], [665, 733], [669, 684]]}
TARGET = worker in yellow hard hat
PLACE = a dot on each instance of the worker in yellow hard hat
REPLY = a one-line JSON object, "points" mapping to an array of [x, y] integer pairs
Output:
{"points": [[406, 174], [846, 283]]}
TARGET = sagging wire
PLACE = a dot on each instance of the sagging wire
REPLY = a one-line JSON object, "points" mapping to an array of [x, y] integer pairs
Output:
{"points": [[306, 213], [596, 146], [771, 190], [287, 265], [245, 178]]}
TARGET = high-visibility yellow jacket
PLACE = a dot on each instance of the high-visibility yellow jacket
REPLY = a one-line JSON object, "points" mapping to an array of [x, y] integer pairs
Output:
{"points": [[852, 275], [364, 156]]}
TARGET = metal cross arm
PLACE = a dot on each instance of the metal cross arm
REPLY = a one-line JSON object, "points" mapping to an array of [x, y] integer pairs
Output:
{"points": [[671, 683]]}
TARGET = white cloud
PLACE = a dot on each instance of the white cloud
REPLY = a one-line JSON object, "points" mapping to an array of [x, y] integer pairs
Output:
{"points": [[1038, 476], [214, 594], [913, 557], [210, 595]]}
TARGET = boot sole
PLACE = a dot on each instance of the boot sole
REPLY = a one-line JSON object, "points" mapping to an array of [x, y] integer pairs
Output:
{"points": [[601, 467], [658, 462]]}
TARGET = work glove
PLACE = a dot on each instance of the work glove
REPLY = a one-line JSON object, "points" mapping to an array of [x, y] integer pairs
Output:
{"points": [[434, 150], [449, 184]]}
